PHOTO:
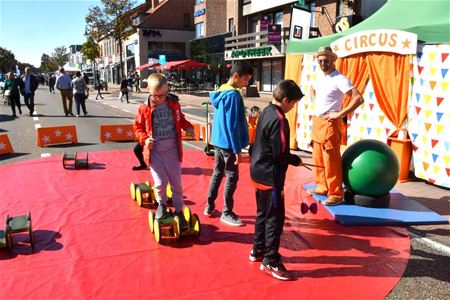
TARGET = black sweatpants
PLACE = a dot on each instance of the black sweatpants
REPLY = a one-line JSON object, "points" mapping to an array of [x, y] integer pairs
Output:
{"points": [[269, 223]]}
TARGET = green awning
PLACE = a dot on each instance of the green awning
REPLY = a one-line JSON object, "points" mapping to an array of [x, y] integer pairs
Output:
{"points": [[429, 19]]}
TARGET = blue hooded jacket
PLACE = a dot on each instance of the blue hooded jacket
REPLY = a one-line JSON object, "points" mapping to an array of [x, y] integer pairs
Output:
{"points": [[229, 127]]}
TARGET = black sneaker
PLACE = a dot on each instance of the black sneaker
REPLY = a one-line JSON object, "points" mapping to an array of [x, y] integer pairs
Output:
{"points": [[256, 255], [276, 270], [161, 212], [183, 222], [231, 219], [209, 209], [140, 167]]}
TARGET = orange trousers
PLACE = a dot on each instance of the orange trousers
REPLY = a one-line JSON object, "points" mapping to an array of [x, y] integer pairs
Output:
{"points": [[326, 142]]}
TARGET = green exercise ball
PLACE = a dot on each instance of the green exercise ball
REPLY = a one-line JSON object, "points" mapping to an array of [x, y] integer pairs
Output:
{"points": [[370, 168]]}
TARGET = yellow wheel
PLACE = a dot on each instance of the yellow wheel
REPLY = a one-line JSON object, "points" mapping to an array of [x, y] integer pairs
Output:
{"points": [[187, 213], [195, 225], [151, 219], [147, 183], [139, 196], [176, 227], [157, 231], [169, 192], [133, 191]]}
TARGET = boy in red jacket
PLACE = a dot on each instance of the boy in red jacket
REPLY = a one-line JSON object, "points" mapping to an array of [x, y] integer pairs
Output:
{"points": [[157, 127]]}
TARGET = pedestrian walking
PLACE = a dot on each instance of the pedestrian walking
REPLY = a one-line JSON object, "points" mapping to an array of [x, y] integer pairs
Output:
{"points": [[30, 85], [63, 85]]}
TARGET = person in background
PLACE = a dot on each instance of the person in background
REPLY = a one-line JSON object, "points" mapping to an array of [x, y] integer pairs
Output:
{"points": [[124, 89], [80, 92], [63, 84], [137, 80], [270, 158], [99, 88], [51, 83], [31, 83], [157, 127], [85, 78], [328, 94], [12, 88], [229, 136]]}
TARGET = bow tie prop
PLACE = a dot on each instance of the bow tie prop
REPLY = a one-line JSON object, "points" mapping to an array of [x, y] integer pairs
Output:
{"points": [[304, 208]]}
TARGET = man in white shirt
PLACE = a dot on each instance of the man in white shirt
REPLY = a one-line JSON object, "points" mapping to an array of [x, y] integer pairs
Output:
{"points": [[328, 95]]}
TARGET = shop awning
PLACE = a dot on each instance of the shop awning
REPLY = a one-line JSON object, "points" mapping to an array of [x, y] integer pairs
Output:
{"points": [[187, 64], [146, 66]]}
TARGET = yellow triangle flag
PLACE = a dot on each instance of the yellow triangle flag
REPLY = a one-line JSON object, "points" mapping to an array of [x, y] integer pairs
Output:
{"points": [[439, 128], [428, 113], [432, 71], [425, 166], [436, 169], [432, 56], [427, 98], [447, 159], [432, 84], [444, 85]]}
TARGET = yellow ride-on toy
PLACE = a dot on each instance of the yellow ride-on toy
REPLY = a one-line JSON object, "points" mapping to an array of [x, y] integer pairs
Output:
{"points": [[170, 226]]}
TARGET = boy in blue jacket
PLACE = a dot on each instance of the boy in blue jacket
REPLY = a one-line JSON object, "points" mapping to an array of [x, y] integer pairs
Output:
{"points": [[270, 158], [229, 136]]}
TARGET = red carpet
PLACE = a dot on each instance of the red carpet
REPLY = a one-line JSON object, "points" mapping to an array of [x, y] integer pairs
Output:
{"points": [[93, 241]]}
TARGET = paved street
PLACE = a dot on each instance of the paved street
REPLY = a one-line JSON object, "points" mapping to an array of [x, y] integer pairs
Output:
{"points": [[427, 275]]}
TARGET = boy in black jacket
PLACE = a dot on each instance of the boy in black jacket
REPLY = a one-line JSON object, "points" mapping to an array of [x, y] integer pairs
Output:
{"points": [[270, 157]]}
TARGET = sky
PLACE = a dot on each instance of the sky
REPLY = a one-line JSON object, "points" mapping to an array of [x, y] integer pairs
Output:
{"points": [[30, 28]]}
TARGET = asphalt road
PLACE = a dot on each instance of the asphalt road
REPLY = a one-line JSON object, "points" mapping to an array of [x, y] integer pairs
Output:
{"points": [[428, 272]]}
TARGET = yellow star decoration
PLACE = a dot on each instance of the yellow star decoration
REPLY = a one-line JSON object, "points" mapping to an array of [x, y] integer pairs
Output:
{"points": [[406, 43], [335, 48]]}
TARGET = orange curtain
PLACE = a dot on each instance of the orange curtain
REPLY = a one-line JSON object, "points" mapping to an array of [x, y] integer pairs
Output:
{"points": [[355, 68], [390, 74], [293, 71]]}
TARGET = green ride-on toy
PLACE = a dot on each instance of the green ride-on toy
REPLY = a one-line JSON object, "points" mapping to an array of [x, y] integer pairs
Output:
{"points": [[144, 192]]}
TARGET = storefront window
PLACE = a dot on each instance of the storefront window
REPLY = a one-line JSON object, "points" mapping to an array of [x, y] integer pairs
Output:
{"points": [[199, 30], [270, 74]]}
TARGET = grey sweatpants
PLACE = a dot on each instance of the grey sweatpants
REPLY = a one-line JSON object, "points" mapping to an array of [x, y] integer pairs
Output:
{"points": [[165, 168]]}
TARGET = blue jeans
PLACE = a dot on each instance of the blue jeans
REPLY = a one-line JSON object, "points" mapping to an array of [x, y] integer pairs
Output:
{"points": [[224, 164]]}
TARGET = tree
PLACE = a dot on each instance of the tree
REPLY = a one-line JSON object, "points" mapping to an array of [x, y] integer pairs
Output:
{"points": [[48, 64], [111, 21], [7, 61], [60, 55], [90, 49]]}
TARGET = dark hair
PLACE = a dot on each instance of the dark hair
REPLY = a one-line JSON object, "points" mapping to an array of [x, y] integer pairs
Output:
{"points": [[78, 73], [242, 67], [287, 88]]}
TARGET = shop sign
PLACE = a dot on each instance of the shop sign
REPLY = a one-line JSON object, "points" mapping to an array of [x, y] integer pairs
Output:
{"points": [[380, 40], [264, 22], [199, 12], [251, 53], [274, 36]]}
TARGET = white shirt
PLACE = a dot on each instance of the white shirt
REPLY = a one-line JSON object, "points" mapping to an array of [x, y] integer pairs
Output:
{"points": [[330, 90]]}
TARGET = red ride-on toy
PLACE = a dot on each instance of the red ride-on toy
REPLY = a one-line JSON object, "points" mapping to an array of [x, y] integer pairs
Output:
{"points": [[171, 226]]}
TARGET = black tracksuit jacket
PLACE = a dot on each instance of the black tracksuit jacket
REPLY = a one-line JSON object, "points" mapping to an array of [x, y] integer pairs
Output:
{"points": [[270, 153]]}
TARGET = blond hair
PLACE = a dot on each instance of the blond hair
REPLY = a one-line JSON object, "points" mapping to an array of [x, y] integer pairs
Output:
{"points": [[157, 81]]}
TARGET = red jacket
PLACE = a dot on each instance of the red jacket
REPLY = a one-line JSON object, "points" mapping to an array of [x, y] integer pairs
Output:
{"points": [[143, 122]]}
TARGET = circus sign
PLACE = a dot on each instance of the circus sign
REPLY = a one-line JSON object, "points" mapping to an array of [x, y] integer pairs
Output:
{"points": [[380, 40]]}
